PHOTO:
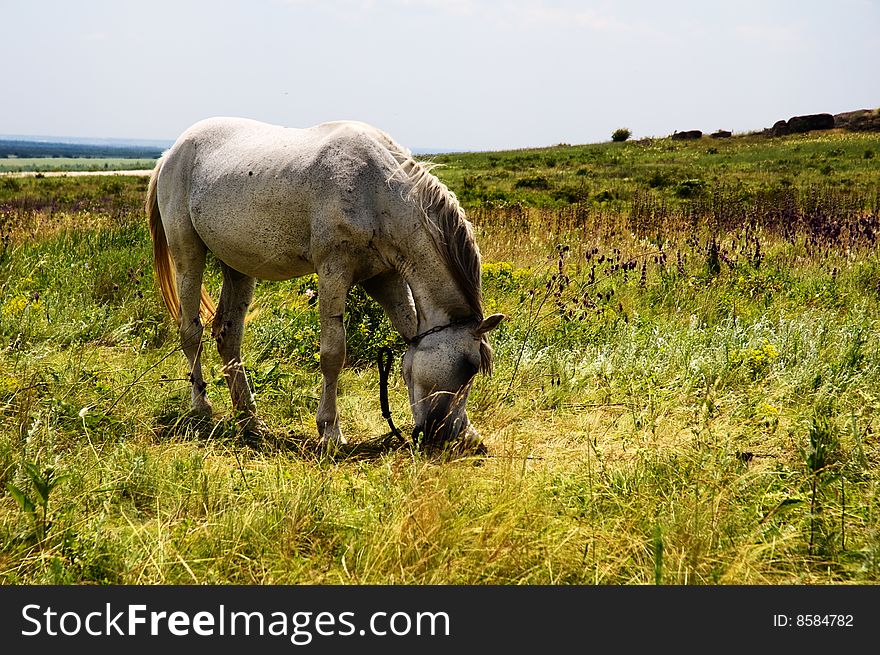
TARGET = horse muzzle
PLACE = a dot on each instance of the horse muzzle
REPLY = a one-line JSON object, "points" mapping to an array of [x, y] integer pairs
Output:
{"points": [[443, 425]]}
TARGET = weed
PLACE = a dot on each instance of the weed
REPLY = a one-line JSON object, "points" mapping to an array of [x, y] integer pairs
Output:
{"points": [[34, 501], [657, 413]]}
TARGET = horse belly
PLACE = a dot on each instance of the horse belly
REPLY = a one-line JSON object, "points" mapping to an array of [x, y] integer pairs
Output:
{"points": [[262, 242]]}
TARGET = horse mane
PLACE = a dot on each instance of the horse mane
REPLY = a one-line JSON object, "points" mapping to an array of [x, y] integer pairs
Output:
{"points": [[450, 230]]}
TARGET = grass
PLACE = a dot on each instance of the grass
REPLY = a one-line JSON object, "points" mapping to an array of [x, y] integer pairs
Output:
{"points": [[685, 393], [611, 174]]}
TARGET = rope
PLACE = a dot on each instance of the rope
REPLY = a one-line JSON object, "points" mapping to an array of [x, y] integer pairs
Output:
{"points": [[384, 360]]}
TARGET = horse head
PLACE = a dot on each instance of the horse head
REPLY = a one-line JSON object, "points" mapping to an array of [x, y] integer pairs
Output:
{"points": [[439, 368]]}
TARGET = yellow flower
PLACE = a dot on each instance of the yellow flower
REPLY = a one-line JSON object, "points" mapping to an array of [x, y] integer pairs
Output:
{"points": [[14, 306], [768, 410], [8, 384]]}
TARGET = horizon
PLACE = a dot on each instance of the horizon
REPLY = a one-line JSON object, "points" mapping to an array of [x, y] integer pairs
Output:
{"points": [[167, 143], [450, 76]]}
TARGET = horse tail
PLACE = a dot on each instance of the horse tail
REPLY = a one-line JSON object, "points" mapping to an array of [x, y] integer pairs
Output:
{"points": [[163, 264]]}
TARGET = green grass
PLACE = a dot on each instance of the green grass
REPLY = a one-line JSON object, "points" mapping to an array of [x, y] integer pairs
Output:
{"points": [[47, 164], [685, 393], [610, 174]]}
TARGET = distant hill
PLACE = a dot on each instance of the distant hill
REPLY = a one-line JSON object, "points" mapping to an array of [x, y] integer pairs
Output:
{"points": [[89, 140], [33, 146], [36, 146], [40, 149]]}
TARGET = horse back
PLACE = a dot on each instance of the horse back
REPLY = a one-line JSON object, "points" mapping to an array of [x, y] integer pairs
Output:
{"points": [[273, 201]]}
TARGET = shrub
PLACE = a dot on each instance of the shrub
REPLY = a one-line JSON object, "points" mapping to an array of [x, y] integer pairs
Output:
{"points": [[538, 182], [620, 134], [660, 180], [690, 188]]}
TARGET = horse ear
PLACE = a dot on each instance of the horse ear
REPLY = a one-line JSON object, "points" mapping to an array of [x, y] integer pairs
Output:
{"points": [[490, 323]]}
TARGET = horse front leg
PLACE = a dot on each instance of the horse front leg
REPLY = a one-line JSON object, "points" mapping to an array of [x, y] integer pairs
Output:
{"points": [[332, 290]]}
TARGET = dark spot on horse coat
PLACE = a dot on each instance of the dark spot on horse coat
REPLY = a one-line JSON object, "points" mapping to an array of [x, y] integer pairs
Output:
{"points": [[250, 173]]}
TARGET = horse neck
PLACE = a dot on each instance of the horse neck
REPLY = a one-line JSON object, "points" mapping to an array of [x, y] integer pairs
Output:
{"points": [[436, 294]]}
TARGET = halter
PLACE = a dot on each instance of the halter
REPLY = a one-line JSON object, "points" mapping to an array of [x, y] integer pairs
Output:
{"points": [[462, 321]]}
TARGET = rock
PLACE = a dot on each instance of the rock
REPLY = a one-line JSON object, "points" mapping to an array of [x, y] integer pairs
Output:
{"points": [[721, 134], [862, 120], [801, 124], [690, 135], [780, 128]]}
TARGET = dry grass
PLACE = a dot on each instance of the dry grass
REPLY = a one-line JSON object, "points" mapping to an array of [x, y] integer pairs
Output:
{"points": [[631, 413]]}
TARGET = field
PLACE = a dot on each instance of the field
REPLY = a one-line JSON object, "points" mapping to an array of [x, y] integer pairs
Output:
{"points": [[21, 154], [47, 164], [686, 391]]}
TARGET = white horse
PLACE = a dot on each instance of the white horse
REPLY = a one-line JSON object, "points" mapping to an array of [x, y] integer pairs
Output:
{"points": [[342, 200]]}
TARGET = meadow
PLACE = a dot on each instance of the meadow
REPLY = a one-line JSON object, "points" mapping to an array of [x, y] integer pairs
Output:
{"points": [[65, 164], [686, 389]]}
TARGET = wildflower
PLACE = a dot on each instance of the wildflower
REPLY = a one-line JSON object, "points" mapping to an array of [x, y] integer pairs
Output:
{"points": [[8, 384], [768, 410], [15, 306]]}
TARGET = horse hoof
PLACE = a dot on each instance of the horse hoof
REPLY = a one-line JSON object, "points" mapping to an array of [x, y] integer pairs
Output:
{"points": [[332, 437], [202, 409], [252, 428], [332, 444]]}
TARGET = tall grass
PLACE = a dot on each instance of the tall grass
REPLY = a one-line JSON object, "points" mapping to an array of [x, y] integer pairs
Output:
{"points": [[683, 394]]}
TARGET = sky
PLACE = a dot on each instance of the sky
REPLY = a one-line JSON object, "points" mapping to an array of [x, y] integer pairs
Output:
{"points": [[436, 74]]}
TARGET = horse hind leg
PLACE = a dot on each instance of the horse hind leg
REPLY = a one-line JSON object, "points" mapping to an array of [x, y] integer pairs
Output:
{"points": [[189, 285], [227, 330]]}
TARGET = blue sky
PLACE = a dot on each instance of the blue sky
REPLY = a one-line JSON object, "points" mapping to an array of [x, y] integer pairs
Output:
{"points": [[436, 74]]}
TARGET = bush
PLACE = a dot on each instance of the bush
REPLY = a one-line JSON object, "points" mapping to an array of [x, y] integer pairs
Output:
{"points": [[660, 179], [620, 134], [690, 188], [538, 182]]}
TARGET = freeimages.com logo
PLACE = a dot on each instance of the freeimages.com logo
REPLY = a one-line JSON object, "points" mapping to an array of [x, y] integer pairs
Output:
{"points": [[301, 627]]}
